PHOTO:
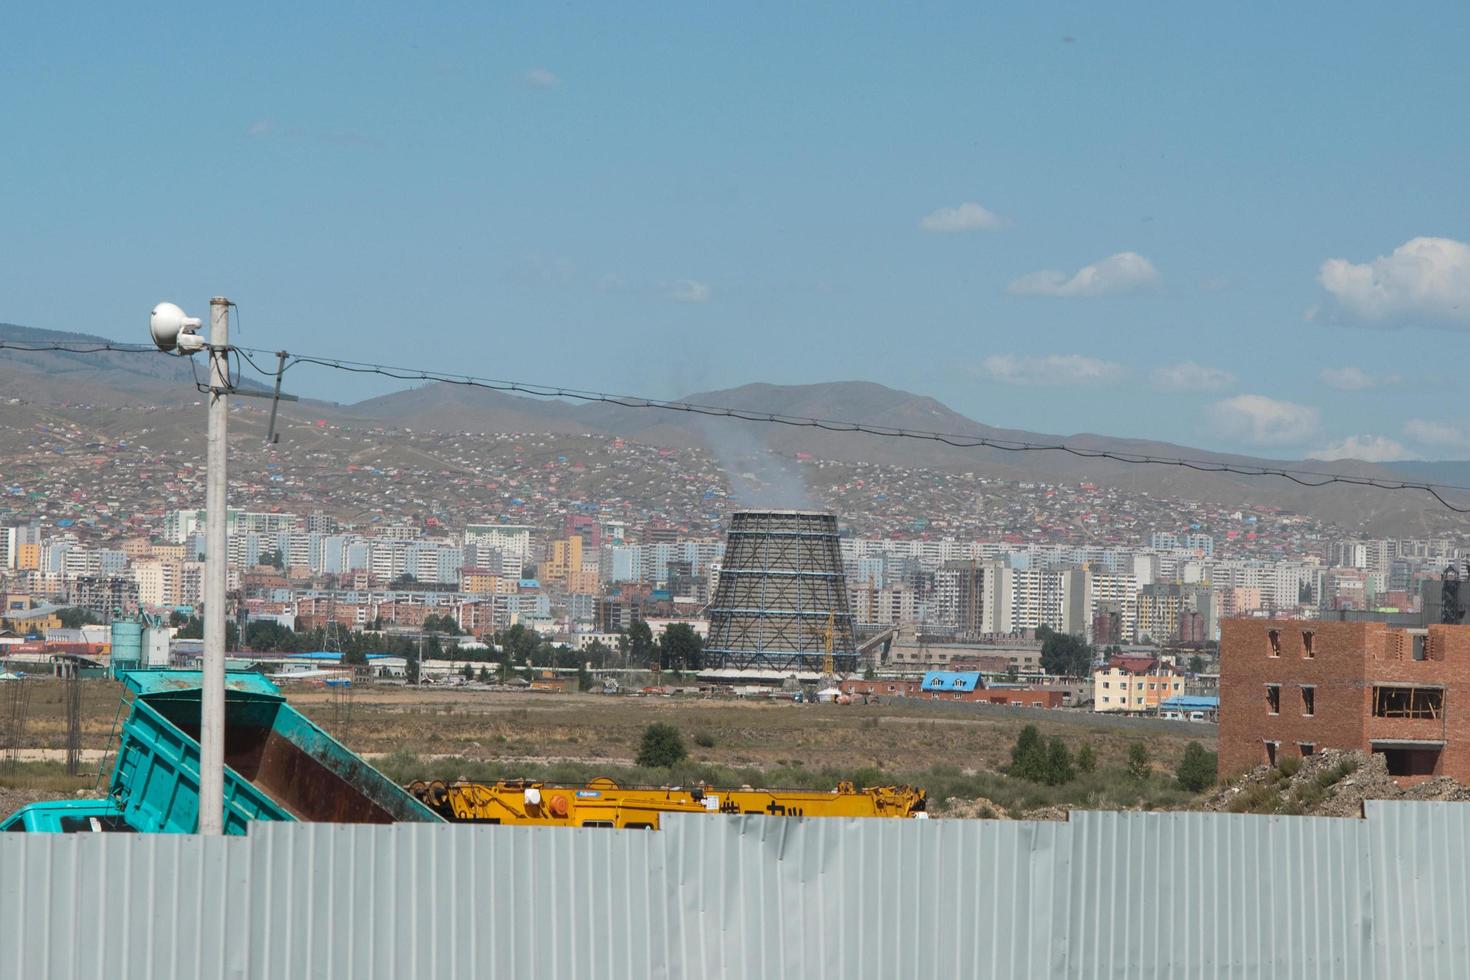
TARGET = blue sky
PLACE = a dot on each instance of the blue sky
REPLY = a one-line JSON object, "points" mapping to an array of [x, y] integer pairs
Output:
{"points": [[1242, 227]]}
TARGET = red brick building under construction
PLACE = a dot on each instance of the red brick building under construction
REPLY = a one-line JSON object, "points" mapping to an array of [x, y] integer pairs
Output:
{"points": [[1294, 687]]}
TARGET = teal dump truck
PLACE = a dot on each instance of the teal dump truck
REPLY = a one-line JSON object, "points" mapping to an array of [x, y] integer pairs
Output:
{"points": [[278, 766]]}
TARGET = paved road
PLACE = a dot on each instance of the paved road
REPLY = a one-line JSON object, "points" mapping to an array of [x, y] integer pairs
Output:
{"points": [[971, 709]]}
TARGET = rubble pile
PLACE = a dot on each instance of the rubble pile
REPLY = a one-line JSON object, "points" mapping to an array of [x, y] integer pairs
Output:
{"points": [[1331, 783], [977, 809]]}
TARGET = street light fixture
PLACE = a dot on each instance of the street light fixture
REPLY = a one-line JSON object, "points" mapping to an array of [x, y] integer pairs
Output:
{"points": [[172, 330]]}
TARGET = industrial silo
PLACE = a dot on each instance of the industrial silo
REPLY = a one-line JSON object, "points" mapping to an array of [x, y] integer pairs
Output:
{"points": [[782, 596], [127, 645]]}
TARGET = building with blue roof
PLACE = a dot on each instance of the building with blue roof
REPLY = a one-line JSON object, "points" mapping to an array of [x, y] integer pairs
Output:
{"points": [[1191, 705], [949, 681]]}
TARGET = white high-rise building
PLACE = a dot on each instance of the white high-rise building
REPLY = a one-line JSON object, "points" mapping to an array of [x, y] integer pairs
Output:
{"points": [[513, 541], [995, 608]]}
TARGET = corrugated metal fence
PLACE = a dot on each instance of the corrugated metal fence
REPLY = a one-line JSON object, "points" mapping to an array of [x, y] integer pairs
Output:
{"points": [[1106, 895]]}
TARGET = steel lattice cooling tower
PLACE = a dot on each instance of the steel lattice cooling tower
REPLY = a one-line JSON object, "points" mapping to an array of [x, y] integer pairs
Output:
{"points": [[781, 585]]}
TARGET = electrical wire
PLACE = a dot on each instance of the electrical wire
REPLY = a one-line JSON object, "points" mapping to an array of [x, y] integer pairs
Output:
{"points": [[77, 348], [1302, 477]]}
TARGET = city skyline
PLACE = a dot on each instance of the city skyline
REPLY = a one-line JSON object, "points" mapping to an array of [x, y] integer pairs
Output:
{"points": [[1237, 232]]}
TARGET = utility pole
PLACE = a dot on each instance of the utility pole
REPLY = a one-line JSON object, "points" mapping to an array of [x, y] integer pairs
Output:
{"points": [[216, 543]]}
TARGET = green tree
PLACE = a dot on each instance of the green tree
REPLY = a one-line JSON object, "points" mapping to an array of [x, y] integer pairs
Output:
{"points": [[269, 636], [1038, 761], [1138, 761], [679, 648], [1058, 763], [193, 629], [584, 679], [869, 673], [1196, 664], [273, 558], [1197, 769], [662, 747], [411, 668], [441, 624], [520, 643], [640, 644], [599, 653], [1028, 756], [75, 617], [469, 672], [1064, 654], [1086, 760]]}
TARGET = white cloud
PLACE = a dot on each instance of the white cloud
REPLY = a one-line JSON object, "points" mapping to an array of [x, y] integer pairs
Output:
{"points": [[1264, 421], [1121, 273], [1370, 449], [1053, 369], [1444, 435], [541, 78], [1424, 278], [691, 291], [1347, 378], [261, 127], [967, 217], [1189, 376]]}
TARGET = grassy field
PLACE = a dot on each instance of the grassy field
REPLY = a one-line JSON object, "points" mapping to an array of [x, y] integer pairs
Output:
{"points": [[469, 734]]}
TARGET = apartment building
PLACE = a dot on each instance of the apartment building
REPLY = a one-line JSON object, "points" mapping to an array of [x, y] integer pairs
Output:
{"points": [[1134, 685], [1295, 687]]}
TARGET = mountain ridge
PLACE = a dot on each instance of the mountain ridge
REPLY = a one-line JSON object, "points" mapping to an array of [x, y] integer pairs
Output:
{"points": [[112, 378]]}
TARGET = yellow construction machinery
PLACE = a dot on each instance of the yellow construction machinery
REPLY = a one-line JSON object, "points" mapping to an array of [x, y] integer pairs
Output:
{"points": [[603, 803]]}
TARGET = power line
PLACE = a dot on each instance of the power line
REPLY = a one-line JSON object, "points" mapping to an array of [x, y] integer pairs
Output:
{"points": [[77, 348], [1302, 477]]}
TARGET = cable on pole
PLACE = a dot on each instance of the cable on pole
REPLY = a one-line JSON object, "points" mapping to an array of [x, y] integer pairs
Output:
{"points": [[1302, 477]]}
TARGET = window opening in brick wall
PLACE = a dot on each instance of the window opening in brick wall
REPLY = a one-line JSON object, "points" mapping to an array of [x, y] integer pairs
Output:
{"points": [[1309, 701], [1408, 702], [1273, 698], [1410, 761], [1307, 637], [1274, 636], [1421, 646], [1270, 753], [1307, 748]]}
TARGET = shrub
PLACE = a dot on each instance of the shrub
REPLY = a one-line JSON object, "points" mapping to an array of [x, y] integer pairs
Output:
{"points": [[1198, 768], [1330, 777], [1138, 761], [1086, 760], [1289, 765], [662, 747], [1039, 762], [704, 740], [1058, 763], [1028, 756]]}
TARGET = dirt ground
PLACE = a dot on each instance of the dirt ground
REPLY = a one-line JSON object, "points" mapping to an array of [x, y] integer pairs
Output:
{"points": [[763, 734], [593, 728]]}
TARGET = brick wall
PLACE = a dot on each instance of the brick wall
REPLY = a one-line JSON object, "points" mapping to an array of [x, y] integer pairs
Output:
{"points": [[1347, 660]]}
